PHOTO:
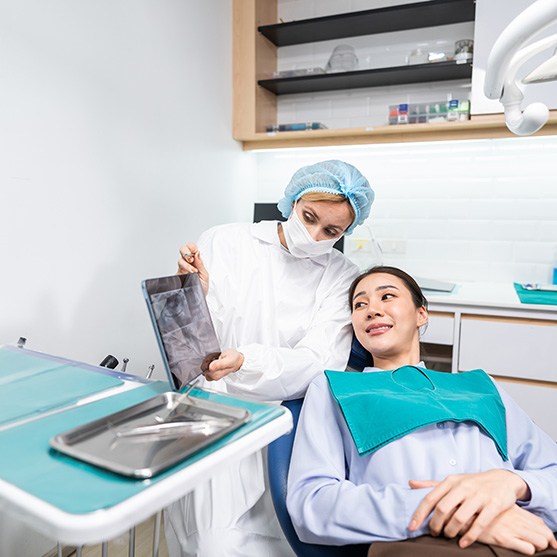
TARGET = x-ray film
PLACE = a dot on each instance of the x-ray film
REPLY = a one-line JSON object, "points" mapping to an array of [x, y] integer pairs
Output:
{"points": [[183, 326]]}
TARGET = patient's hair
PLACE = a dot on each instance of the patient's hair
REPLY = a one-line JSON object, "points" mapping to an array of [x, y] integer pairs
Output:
{"points": [[416, 292]]}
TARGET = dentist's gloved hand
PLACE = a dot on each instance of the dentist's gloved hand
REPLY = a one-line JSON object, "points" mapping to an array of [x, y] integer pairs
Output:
{"points": [[190, 262], [228, 362]]}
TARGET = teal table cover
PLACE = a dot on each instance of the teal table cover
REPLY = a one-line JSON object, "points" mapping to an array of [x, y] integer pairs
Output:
{"points": [[535, 296], [28, 462], [382, 406], [31, 384], [16, 364]]}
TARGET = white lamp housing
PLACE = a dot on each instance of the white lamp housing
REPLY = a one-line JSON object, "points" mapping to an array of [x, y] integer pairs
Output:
{"points": [[505, 59]]}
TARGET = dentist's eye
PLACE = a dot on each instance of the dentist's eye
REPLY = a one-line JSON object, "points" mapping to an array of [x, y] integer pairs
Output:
{"points": [[309, 218], [331, 232]]}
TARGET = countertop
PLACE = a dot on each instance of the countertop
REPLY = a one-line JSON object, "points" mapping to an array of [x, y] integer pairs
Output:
{"points": [[485, 294]]}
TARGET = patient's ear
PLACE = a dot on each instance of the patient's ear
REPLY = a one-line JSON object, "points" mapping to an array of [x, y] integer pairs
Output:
{"points": [[423, 316]]}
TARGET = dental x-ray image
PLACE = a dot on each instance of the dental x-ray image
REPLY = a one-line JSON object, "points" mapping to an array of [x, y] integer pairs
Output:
{"points": [[183, 324]]}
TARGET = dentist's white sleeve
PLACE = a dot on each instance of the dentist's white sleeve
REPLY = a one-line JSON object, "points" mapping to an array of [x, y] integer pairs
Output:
{"points": [[283, 373], [289, 317]]}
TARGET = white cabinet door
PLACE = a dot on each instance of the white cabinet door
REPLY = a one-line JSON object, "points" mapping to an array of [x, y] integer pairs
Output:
{"points": [[511, 347], [440, 329], [492, 16], [539, 402]]}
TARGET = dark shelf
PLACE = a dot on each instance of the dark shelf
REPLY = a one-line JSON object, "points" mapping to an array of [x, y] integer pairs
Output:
{"points": [[370, 22], [419, 73]]}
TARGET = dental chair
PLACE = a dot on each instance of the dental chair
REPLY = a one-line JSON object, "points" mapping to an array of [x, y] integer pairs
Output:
{"points": [[279, 453]]}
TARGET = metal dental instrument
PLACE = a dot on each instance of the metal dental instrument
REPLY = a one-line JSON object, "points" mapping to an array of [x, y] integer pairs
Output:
{"points": [[540, 287], [150, 371], [180, 399], [173, 429]]}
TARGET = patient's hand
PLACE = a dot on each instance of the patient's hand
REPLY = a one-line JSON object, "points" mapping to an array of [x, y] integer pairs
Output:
{"points": [[190, 262], [467, 503], [229, 361], [518, 529]]}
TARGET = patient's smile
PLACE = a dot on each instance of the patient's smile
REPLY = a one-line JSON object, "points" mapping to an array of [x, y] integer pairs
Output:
{"points": [[378, 328]]}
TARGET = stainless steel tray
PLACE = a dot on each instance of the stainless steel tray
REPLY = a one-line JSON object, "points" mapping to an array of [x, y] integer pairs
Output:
{"points": [[147, 438]]}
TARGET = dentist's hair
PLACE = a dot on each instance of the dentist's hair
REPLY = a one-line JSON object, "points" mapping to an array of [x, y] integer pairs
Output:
{"points": [[415, 291]]}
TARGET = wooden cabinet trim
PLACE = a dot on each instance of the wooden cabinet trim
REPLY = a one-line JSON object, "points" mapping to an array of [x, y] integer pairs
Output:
{"points": [[444, 314], [531, 382], [510, 320]]}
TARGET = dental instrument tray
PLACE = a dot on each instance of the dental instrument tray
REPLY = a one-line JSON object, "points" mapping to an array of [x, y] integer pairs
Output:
{"points": [[145, 439]]}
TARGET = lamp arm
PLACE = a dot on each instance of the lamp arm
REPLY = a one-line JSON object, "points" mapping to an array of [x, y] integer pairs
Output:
{"points": [[535, 115], [531, 21], [526, 53], [520, 122]]}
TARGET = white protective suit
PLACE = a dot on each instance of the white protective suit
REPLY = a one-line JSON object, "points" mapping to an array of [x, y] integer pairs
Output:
{"points": [[290, 318]]}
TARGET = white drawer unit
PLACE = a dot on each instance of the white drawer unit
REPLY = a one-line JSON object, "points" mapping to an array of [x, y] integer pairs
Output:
{"points": [[509, 347], [515, 343], [440, 328], [537, 400]]}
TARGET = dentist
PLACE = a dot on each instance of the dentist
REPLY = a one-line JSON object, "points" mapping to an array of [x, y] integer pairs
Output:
{"points": [[277, 296]]}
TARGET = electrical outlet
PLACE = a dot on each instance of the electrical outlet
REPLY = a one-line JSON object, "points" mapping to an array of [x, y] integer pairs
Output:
{"points": [[393, 246]]}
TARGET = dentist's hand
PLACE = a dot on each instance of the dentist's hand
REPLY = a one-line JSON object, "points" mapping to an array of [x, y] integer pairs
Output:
{"points": [[519, 530], [467, 503], [190, 262], [228, 362]]}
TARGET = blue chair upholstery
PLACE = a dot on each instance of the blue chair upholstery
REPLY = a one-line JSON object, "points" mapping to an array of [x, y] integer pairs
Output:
{"points": [[279, 460], [359, 357], [279, 453]]}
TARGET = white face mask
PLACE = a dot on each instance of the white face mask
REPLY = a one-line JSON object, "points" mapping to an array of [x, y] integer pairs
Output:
{"points": [[300, 243]]}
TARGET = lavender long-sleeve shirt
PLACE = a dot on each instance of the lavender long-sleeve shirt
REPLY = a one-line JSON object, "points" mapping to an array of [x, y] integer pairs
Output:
{"points": [[336, 497]]}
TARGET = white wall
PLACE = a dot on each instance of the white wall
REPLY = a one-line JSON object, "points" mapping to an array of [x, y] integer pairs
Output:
{"points": [[115, 148], [468, 210]]}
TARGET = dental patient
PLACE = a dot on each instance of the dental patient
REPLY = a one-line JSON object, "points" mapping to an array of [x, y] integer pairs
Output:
{"points": [[413, 461]]}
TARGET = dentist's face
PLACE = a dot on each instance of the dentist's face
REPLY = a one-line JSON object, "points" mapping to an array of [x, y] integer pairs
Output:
{"points": [[384, 316], [324, 220]]}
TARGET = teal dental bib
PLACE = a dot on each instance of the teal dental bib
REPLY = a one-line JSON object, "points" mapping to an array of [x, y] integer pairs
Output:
{"points": [[381, 406]]}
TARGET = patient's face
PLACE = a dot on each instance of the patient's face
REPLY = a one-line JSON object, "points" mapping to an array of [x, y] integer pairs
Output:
{"points": [[384, 316]]}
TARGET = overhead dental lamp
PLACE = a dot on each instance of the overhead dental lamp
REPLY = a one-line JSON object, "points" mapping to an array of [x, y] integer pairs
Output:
{"points": [[508, 54]]}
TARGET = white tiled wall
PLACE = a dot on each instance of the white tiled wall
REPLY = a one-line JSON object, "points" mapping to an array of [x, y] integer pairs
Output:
{"points": [[461, 210], [366, 107]]}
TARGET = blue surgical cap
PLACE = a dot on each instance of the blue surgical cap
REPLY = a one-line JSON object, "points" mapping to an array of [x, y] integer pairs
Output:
{"points": [[335, 177]]}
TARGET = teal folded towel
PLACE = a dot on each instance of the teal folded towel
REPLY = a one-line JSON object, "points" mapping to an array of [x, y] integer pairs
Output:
{"points": [[381, 406], [535, 296]]}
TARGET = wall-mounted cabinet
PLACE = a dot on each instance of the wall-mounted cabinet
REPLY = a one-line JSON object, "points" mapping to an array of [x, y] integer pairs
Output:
{"points": [[257, 37]]}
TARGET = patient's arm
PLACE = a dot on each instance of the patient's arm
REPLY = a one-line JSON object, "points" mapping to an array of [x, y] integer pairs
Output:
{"points": [[520, 530], [462, 499], [532, 482], [325, 506]]}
